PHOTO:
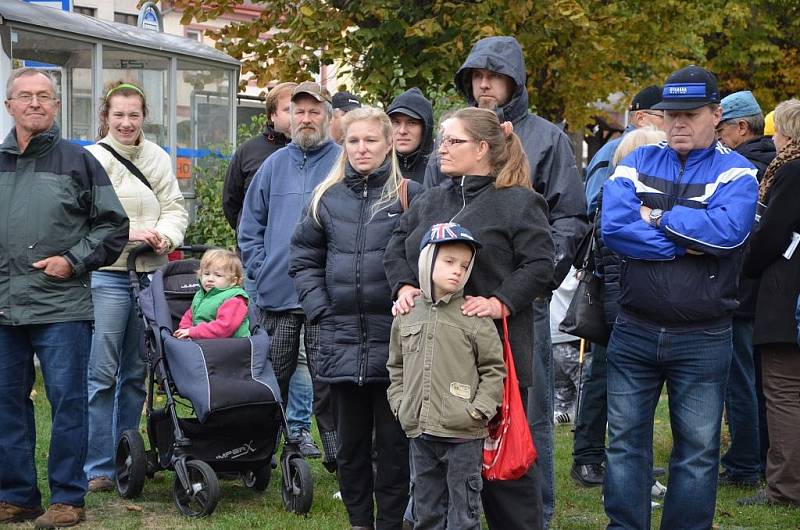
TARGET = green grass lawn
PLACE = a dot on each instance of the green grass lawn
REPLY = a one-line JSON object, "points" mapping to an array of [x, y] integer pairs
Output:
{"points": [[239, 507]]}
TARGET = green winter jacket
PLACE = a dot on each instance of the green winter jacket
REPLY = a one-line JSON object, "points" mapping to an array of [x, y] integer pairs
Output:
{"points": [[205, 306], [55, 200], [443, 366]]}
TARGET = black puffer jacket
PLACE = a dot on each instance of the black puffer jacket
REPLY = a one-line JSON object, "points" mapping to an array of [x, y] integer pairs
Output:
{"points": [[515, 263], [608, 266], [413, 164], [337, 266]]}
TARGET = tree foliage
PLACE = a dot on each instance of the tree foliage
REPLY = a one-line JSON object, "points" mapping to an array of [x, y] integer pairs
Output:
{"points": [[577, 51]]}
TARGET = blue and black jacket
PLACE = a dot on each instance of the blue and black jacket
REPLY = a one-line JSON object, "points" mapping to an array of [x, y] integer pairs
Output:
{"points": [[709, 203]]}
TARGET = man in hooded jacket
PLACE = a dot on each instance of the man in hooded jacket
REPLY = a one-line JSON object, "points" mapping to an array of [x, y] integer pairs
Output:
{"points": [[493, 76], [412, 120]]}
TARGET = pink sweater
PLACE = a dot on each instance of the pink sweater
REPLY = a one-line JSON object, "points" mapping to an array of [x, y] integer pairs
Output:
{"points": [[230, 316]]}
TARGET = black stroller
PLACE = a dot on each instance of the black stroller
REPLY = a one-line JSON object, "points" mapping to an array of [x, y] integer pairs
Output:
{"points": [[234, 395]]}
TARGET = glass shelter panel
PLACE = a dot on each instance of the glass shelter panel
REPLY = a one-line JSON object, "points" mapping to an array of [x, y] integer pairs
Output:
{"points": [[204, 110], [151, 72], [70, 63]]}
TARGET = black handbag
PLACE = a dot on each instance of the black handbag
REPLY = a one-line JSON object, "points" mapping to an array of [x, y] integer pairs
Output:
{"points": [[585, 317]]}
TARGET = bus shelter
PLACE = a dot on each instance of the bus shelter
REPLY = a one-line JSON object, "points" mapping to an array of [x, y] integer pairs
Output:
{"points": [[190, 87]]}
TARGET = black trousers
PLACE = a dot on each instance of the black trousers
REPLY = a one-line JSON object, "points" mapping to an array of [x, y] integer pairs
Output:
{"points": [[589, 443], [515, 504], [359, 409]]}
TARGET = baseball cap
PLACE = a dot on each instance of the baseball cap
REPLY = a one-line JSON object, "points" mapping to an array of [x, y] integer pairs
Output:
{"points": [[448, 233], [688, 88], [312, 89], [739, 105], [646, 98], [345, 101], [407, 111]]}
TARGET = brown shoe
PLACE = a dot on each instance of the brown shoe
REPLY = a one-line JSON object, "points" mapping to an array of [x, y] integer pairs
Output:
{"points": [[60, 515], [9, 513], [101, 484]]}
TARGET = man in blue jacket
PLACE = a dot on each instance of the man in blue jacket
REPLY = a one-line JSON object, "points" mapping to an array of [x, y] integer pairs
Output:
{"points": [[272, 207], [678, 213]]}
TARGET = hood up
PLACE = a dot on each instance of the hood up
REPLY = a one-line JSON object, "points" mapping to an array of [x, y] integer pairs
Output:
{"points": [[502, 55], [427, 257]]}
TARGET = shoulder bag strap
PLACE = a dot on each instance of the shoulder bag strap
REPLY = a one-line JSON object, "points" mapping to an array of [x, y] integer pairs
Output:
{"points": [[130, 166]]}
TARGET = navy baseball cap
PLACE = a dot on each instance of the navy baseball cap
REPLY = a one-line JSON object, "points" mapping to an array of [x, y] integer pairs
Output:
{"points": [[689, 88], [448, 233], [345, 101], [646, 98]]}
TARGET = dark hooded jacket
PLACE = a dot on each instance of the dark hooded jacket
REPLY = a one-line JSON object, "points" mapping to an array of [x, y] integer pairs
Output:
{"points": [[515, 263], [413, 164], [244, 164], [337, 266], [760, 152], [553, 170]]}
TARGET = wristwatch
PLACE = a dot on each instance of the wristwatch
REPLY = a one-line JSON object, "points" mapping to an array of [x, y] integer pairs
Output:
{"points": [[655, 216]]}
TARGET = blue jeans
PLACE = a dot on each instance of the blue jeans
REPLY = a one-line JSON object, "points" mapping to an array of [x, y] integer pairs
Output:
{"points": [[116, 370], [540, 406], [301, 398], [62, 349], [694, 364], [742, 460]]}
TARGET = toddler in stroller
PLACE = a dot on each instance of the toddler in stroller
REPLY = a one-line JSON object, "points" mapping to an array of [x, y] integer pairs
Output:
{"points": [[232, 391], [219, 308]]}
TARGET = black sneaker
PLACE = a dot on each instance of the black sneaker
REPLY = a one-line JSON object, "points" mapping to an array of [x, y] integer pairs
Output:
{"points": [[306, 444], [588, 475]]}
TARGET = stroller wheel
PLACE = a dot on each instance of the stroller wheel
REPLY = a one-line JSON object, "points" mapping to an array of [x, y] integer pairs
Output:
{"points": [[204, 490], [130, 464], [258, 478], [298, 487]]}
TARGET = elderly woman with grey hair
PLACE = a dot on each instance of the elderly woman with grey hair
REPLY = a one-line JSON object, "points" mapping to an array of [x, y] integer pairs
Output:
{"points": [[774, 257]]}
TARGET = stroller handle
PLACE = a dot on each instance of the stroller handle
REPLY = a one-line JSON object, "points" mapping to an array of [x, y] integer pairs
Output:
{"points": [[145, 248]]}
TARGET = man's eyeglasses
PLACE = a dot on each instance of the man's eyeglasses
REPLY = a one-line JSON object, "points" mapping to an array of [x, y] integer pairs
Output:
{"points": [[653, 113], [450, 142], [27, 99]]}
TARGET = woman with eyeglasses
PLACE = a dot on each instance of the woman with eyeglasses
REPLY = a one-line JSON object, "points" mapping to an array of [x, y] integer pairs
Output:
{"points": [[489, 192]]}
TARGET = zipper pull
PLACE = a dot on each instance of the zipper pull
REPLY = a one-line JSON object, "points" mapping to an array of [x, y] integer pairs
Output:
{"points": [[30, 247], [365, 191]]}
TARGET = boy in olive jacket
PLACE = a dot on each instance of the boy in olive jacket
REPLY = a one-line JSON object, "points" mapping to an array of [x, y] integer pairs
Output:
{"points": [[446, 375]]}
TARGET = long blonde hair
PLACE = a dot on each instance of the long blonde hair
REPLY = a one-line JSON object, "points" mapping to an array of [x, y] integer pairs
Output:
{"points": [[509, 162], [391, 190]]}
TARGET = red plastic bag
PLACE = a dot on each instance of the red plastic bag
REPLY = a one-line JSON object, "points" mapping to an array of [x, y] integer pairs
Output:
{"points": [[508, 451]]}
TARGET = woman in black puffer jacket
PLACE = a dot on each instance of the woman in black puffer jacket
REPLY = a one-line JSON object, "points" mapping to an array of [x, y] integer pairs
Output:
{"points": [[337, 266]]}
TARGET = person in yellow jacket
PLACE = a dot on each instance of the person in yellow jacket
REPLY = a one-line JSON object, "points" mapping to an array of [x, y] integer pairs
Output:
{"points": [[142, 176]]}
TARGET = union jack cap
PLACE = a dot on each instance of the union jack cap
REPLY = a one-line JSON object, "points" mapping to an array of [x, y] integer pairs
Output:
{"points": [[448, 233]]}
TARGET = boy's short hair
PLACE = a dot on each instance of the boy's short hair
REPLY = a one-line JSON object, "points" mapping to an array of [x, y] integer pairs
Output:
{"points": [[226, 260]]}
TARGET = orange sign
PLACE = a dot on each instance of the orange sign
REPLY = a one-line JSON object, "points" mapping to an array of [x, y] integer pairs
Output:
{"points": [[184, 168]]}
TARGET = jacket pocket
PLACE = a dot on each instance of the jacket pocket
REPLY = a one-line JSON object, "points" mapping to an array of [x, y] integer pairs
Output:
{"points": [[455, 415], [411, 338]]}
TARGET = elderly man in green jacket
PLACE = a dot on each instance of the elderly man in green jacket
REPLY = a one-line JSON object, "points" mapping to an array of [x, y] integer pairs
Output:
{"points": [[59, 220]]}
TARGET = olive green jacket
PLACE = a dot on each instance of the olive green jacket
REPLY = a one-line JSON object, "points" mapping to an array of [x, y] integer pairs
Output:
{"points": [[444, 366], [55, 200]]}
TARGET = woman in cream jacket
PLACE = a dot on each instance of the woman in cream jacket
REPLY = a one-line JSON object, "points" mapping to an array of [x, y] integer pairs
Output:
{"points": [[157, 218]]}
